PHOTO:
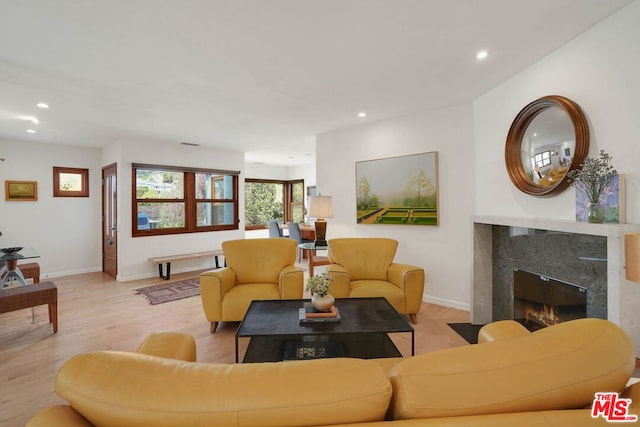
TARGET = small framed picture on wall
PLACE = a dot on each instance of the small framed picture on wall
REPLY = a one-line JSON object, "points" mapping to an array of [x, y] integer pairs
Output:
{"points": [[70, 182], [21, 191]]}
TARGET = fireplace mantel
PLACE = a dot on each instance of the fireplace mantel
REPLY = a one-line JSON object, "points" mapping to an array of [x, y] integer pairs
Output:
{"points": [[623, 296], [607, 230]]}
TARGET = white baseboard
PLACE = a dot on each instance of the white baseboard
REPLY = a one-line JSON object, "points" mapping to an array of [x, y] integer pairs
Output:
{"points": [[447, 303], [45, 276]]}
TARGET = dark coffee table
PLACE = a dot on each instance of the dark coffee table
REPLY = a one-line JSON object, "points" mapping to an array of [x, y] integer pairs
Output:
{"points": [[274, 329]]}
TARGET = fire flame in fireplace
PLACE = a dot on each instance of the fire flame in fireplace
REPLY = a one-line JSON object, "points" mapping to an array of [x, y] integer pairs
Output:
{"points": [[541, 313]]}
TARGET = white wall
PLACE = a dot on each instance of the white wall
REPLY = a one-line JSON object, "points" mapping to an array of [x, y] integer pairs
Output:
{"points": [[64, 231], [443, 251], [599, 71]]}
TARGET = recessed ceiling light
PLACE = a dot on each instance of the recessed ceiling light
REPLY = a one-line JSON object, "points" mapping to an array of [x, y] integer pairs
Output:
{"points": [[42, 105], [31, 131], [30, 118], [362, 114], [482, 54]]}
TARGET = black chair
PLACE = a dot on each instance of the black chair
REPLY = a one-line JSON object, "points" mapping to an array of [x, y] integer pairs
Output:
{"points": [[274, 228], [294, 233]]}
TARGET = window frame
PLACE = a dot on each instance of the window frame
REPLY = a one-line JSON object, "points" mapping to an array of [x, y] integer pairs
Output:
{"points": [[83, 176], [189, 201], [544, 160], [287, 202]]}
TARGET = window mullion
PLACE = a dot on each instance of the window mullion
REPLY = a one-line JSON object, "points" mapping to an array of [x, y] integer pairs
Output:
{"points": [[189, 200]]}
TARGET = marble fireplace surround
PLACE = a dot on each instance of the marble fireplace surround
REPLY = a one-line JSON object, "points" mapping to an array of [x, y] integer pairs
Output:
{"points": [[613, 297]]}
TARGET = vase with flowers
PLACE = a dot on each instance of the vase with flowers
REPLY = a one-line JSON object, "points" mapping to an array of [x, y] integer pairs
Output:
{"points": [[318, 285], [593, 178]]}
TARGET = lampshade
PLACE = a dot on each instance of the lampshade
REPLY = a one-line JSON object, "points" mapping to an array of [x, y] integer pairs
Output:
{"points": [[632, 256], [320, 207]]}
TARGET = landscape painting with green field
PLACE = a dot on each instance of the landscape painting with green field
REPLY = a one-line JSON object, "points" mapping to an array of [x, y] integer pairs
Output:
{"points": [[398, 190]]}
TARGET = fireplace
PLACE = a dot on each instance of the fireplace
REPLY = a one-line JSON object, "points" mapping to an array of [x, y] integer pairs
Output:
{"points": [[590, 256], [540, 301]]}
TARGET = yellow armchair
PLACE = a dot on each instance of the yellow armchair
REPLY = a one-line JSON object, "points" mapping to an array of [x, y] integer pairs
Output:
{"points": [[364, 267], [256, 269]]}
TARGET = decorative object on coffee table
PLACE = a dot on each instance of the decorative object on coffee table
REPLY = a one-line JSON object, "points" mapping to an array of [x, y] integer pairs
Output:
{"points": [[301, 350], [593, 182], [309, 315], [318, 285]]}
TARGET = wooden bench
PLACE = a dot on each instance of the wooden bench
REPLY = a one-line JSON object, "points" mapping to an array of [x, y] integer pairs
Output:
{"points": [[195, 255], [20, 297]]}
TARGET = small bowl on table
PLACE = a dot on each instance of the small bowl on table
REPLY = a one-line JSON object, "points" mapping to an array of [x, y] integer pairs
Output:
{"points": [[10, 251]]}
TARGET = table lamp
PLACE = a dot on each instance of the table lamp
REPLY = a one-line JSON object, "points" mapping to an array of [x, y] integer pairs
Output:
{"points": [[320, 207], [632, 257]]}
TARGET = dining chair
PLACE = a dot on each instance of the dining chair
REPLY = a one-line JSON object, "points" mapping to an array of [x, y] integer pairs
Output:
{"points": [[294, 233], [274, 228]]}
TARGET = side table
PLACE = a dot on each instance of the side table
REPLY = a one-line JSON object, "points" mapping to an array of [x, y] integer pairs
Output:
{"points": [[314, 260]]}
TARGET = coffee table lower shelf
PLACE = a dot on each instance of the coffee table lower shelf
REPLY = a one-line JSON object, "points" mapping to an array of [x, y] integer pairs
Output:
{"points": [[274, 348]]}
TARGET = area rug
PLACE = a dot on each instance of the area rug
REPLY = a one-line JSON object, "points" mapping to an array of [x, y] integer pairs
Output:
{"points": [[173, 291]]}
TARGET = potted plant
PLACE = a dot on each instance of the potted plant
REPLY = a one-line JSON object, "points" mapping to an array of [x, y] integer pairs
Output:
{"points": [[593, 178], [318, 285]]}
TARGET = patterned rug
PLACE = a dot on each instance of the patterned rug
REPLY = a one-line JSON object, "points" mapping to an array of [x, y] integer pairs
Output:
{"points": [[166, 292]]}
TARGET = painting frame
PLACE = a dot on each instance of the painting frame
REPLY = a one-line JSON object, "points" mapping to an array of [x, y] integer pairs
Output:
{"points": [[400, 190], [20, 191], [70, 182]]}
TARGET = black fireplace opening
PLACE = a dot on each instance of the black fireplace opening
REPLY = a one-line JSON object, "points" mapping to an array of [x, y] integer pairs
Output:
{"points": [[540, 301]]}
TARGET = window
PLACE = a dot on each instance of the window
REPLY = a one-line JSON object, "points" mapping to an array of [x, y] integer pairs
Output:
{"points": [[542, 159], [270, 199], [170, 200]]}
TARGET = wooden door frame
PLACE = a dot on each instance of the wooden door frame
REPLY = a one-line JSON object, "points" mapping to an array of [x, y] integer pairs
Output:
{"points": [[102, 234]]}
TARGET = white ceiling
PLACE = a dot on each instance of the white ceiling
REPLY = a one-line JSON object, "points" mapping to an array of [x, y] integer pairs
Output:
{"points": [[260, 76]]}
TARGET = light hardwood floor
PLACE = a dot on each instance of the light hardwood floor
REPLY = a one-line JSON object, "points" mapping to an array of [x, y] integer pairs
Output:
{"points": [[97, 313]]}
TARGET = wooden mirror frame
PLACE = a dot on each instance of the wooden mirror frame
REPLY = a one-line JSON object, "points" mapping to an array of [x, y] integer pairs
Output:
{"points": [[512, 152]]}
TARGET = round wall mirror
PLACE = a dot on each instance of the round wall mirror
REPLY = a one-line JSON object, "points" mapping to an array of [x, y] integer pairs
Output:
{"points": [[547, 139]]}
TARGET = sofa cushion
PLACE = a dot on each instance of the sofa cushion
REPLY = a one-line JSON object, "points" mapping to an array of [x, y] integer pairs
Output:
{"points": [[559, 367], [379, 288], [127, 389]]}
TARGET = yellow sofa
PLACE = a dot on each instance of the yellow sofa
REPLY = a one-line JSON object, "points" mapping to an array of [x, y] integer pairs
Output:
{"points": [[513, 378], [256, 269], [364, 267]]}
